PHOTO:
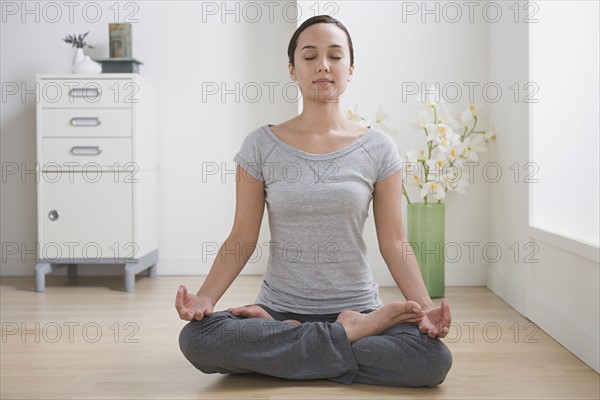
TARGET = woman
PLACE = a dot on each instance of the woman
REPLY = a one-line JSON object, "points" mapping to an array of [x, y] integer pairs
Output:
{"points": [[318, 313]]}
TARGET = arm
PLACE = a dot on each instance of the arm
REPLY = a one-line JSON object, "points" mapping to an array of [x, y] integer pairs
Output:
{"points": [[250, 204], [400, 258]]}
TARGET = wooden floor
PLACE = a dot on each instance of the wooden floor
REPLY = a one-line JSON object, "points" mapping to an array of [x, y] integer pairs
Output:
{"points": [[87, 339]]}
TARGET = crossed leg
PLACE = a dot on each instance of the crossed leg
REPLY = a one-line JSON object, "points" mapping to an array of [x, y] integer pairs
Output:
{"points": [[356, 325], [352, 349]]}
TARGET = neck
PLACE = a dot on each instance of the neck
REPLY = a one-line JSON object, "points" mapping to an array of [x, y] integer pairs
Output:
{"points": [[323, 118]]}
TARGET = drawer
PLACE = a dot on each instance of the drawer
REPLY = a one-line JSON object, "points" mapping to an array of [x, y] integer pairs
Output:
{"points": [[88, 93], [99, 122], [77, 154]]}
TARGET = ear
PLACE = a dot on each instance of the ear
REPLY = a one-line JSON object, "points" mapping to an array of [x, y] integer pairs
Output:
{"points": [[292, 71], [351, 72]]}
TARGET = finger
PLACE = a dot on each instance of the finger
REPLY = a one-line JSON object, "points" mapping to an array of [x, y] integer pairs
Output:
{"points": [[199, 315], [242, 312], [233, 310], [446, 312], [416, 307], [444, 333], [179, 298], [185, 315]]}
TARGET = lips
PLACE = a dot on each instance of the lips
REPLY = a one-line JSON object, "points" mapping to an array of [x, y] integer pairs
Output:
{"points": [[323, 80]]}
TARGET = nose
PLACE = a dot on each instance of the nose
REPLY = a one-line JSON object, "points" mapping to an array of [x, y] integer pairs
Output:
{"points": [[323, 65]]}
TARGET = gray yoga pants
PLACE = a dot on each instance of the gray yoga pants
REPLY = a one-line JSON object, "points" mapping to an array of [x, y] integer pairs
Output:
{"points": [[316, 349]]}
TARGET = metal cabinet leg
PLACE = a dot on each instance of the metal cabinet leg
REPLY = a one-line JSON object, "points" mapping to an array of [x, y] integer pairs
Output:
{"points": [[72, 271], [130, 277], [152, 271], [41, 269]]}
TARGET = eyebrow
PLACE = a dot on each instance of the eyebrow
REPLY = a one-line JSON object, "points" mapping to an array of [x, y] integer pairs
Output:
{"points": [[310, 46]]}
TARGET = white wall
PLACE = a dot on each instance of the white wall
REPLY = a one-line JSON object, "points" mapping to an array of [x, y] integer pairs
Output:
{"points": [[181, 53], [390, 57], [556, 288]]}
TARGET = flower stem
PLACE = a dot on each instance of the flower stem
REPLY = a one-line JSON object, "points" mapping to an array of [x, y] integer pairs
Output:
{"points": [[405, 194]]}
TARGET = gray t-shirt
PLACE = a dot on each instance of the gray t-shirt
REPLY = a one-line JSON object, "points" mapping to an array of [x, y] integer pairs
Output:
{"points": [[317, 206]]}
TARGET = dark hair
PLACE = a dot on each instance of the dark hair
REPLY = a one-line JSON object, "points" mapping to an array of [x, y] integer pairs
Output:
{"points": [[317, 19]]}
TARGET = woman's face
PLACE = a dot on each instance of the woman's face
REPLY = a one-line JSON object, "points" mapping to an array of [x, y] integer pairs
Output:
{"points": [[322, 59]]}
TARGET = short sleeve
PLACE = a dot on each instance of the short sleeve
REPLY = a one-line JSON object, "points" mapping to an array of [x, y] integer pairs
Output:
{"points": [[249, 156], [388, 157]]}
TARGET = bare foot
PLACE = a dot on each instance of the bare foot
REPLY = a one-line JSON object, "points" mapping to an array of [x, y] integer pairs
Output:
{"points": [[359, 325], [254, 311], [251, 311]]}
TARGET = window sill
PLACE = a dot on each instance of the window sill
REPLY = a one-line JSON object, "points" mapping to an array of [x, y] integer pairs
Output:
{"points": [[578, 247]]}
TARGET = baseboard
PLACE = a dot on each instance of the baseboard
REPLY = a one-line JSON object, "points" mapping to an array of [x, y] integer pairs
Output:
{"points": [[512, 294], [196, 266], [465, 275], [578, 341], [456, 275]]}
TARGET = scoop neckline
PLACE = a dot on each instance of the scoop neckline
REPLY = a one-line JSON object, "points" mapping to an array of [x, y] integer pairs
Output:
{"points": [[365, 136]]}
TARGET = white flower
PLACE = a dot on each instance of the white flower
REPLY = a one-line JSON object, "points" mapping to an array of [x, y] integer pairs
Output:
{"points": [[411, 173], [441, 134], [465, 118], [472, 145], [436, 167], [352, 113], [433, 188], [414, 156], [473, 109], [453, 151], [489, 136], [432, 98], [412, 167], [455, 178], [423, 120], [444, 117], [380, 118]]}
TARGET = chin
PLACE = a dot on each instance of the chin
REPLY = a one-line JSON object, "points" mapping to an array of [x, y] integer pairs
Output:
{"points": [[323, 95]]}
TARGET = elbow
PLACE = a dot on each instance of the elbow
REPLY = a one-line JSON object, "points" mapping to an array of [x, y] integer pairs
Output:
{"points": [[391, 246]]}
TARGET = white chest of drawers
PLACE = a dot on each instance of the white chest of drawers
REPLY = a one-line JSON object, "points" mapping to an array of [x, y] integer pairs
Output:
{"points": [[96, 173]]}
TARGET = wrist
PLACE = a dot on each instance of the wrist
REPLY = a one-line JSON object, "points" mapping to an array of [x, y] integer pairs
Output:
{"points": [[211, 298], [427, 304]]}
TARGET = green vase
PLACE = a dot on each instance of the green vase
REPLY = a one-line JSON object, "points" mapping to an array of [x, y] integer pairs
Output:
{"points": [[426, 237]]}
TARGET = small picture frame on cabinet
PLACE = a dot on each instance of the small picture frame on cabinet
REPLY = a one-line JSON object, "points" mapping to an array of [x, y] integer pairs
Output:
{"points": [[119, 40]]}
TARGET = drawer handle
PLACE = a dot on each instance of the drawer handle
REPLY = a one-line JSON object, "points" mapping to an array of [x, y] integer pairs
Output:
{"points": [[53, 215], [85, 92], [85, 121], [86, 150]]}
